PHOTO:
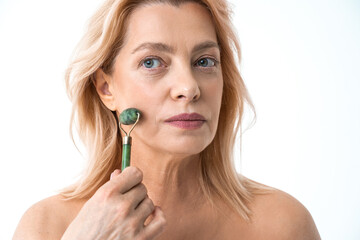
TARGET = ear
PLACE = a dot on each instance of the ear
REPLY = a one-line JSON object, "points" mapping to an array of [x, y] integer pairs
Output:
{"points": [[103, 87]]}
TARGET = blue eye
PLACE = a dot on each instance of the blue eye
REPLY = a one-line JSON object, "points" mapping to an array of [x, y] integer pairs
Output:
{"points": [[205, 61], [151, 62]]}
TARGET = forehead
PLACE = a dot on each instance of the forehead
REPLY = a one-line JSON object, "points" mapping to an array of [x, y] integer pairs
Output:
{"points": [[185, 25]]}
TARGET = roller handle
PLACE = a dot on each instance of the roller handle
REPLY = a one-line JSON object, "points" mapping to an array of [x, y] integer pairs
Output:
{"points": [[126, 152]]}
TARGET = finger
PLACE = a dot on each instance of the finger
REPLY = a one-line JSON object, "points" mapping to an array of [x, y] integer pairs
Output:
{"points": [[145, 208], [156, 226], [115, 173], [136, 195], [127, 179]]}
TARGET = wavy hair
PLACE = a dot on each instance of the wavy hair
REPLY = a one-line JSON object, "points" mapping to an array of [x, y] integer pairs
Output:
{"points": [[97, 126]]}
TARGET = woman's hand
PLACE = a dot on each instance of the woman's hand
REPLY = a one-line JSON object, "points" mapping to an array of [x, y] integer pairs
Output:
{"points": [[118, 210]]}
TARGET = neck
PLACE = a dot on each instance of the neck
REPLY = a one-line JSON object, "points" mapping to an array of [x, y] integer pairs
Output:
{"points": [[170, 179]]}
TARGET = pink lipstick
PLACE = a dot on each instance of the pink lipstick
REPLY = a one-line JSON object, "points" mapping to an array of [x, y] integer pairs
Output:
{"points": [[186, 121]]}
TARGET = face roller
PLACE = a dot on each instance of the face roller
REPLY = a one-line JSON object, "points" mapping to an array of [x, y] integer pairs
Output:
{"points": [[127, 117]]}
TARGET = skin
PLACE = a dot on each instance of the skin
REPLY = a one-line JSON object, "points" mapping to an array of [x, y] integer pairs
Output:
{"points": [[175, 84], [165, 163]]}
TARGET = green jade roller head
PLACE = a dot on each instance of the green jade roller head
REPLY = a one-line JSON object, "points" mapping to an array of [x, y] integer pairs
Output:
{"points": [[127, 117]]}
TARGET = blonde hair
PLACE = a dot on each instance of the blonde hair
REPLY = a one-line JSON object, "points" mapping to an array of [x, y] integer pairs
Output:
{"points": [[97, 125]]}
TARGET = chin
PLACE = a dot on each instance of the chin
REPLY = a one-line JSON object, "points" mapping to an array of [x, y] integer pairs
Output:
{"points": [[185, 148], [181, 145]]}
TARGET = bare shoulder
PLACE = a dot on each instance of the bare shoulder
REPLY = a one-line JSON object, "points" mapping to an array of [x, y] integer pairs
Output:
{"points": [[47, 219], [281, 216]]}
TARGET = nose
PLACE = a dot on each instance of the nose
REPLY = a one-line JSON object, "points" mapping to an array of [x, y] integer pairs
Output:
{"points": [[185, 87]]}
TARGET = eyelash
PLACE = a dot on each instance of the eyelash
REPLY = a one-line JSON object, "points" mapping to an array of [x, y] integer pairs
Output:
{"points": [[216, 62]]}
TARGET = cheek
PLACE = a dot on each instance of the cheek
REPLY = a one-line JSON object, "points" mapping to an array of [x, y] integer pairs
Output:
{"points": [[214, 98], [132, 91], [145, 98], [213, 95]]}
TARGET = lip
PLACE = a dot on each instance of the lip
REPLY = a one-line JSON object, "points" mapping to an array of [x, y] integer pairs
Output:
{"points": [[186, 117], [186, 120]]}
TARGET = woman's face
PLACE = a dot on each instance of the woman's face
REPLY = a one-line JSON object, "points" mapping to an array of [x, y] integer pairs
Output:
{"points": [[168, 66]]}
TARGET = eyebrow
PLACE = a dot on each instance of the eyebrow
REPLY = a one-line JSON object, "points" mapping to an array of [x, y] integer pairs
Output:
{"points": [[162, 47]]}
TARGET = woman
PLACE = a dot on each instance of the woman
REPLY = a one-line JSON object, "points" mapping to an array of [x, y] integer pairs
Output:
{"points": [[175, 62]]}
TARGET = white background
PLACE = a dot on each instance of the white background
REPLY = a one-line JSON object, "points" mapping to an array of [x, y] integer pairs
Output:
{"points": [[301, 62]]}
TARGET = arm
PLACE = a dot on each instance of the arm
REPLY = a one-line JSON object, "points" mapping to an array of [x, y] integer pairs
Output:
{"points": [[302, 225], [37, 222], [291, 220], [118, 208]]}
